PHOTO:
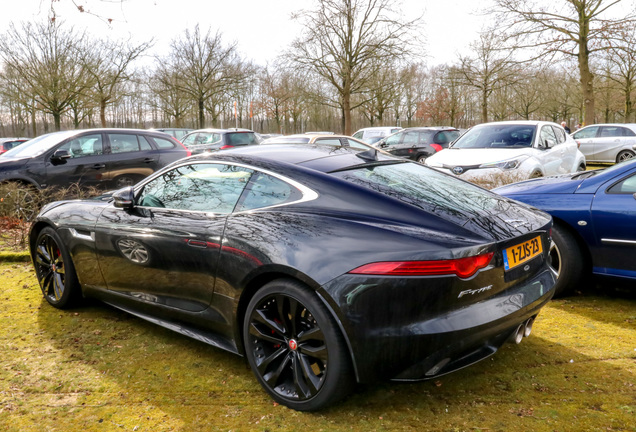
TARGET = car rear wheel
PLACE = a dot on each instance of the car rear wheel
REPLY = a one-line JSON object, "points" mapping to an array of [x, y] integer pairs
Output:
{"points": [[581, 168], [566, 260], [421, 159], [624, 155], [55, 271], [294, 347], [536, 174]]}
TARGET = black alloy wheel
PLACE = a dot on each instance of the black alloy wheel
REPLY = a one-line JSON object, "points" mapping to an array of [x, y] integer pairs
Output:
{"points": [[55, 270], [294, 347]]}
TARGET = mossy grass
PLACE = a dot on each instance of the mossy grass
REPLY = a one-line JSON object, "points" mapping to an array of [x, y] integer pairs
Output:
{"points": [[95, 368]]}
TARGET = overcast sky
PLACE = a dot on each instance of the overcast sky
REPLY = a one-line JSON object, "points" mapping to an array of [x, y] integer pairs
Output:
{"points": [[262, 28]]}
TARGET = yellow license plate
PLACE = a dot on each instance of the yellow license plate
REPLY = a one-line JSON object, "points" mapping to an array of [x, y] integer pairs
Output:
{"points": [[518, 254]]}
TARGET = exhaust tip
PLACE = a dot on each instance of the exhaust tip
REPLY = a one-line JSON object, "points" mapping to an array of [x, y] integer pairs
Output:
{"points": [[527, 327], [517, 335]]}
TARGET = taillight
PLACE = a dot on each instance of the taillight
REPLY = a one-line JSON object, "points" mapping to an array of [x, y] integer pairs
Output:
{"points": [[437, 147], [461, 267], [226, 146], [188, 152]]}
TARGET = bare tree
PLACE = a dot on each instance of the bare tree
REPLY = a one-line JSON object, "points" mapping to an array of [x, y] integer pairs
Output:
{"points": [[344, 41], [576, 28], [207, 67], [108, 63], [489, 70], [621, 59], [48, 59]]}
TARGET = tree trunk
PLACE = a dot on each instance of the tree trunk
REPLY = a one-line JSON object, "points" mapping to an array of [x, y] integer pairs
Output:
{"points": [[102, 112], [587, 78], [484, 106], [628, 103], [57, 118], [201, 113]]}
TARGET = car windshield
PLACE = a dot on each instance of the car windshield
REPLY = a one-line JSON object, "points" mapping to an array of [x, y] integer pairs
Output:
{"points": [[39, 145], [497, 136], [422, 187]]}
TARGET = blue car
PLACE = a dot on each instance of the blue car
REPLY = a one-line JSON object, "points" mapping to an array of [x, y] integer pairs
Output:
{"points": [[594, 216]]}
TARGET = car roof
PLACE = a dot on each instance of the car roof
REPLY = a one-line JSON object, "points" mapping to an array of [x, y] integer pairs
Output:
{"points": [[322, 158], [432, 128]]}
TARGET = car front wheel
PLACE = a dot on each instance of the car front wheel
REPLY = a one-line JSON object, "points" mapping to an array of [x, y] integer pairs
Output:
{"points": [[55, 271], [295, 348], [566, 261]]}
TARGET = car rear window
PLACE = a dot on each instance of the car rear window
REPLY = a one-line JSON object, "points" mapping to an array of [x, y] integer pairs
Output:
{"points": [[422, 187], [241, 138], [163, 143]]}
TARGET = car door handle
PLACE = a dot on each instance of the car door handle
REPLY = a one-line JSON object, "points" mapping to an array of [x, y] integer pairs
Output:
{"points": [[197, 243], [148, 160], [99, 166]]}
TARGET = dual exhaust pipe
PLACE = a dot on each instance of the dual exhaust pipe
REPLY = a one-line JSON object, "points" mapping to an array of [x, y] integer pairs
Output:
{"points": [[523, 330]]}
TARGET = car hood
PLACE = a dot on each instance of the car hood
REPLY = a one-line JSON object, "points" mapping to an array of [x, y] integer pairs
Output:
{"points": [[468, 157], [562, 184]]}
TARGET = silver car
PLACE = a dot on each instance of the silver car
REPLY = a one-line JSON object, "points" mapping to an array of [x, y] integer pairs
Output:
{"points": [[607, 142]]}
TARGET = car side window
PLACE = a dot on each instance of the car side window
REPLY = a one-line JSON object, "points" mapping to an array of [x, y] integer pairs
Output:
{"points": [[123, 143], [394, 139], [163, 143], [189, 140], [85, 145], [625, 186], [615, 131], [329, 141], [144, 144], [358, 135], [589, 132], [266, 191], [411, 138], [212, 188], [547, 136], [355, 144], [560, 134]]}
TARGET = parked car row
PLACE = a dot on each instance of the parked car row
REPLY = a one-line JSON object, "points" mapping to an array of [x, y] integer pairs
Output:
{"points": [[608, 143]]}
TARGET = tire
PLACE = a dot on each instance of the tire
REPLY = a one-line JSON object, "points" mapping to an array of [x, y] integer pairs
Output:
{"points": [[295, 348], [566, 260], [624, 155], [55, 270], [581, 168], [421, 159]]}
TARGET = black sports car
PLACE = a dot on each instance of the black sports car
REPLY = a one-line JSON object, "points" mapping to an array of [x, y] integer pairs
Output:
{"points": [[322, 265]]}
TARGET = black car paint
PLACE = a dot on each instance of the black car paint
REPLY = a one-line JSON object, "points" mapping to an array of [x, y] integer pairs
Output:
{"points": [[96, 170], [396, 327]]}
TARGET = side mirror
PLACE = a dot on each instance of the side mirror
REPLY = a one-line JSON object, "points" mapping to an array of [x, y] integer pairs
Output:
{"points": [[124, 198], [60, 156]]}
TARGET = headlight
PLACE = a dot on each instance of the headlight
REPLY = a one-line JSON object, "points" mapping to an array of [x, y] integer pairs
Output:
{"points": [[505, 164]]}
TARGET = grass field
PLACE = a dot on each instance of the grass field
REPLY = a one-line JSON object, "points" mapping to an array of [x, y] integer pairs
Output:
{"points": [[98, 369]]}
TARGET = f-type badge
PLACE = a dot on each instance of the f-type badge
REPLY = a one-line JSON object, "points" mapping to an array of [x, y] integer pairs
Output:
{"points": [[458, 170], [134, 251]]}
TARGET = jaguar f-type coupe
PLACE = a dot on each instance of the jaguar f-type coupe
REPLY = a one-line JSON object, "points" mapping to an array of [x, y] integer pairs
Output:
{"points": [[324, 266]]}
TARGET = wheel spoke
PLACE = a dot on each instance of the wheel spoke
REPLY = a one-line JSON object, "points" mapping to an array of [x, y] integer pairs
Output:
{"points": [[313, 381], [272, 325], [272, 376], [42, 257], [319, 352], [303, 387], [58, 285], [256, 332], [288, 312]]}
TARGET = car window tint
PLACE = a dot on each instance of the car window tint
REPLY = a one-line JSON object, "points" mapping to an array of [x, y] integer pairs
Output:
{"points": [[188, 140], [143, 143], [265, 191], [589, 132], [163, 143], [328, 141], [628, 132], [355, 144], [85, 145], [424, 188], [411, 138], [358, 135], [198, 187], [547, 136], [123, 143], [394, 139], [626, 186], [611, 131], [560, 134], [242, 138]]}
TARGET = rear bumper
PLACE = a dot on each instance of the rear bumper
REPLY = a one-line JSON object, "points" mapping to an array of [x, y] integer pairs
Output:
{"points": [[402, 337]]}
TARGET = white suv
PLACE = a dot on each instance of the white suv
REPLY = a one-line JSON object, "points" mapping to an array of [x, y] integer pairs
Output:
{"points": [[371, 135], [517, 149]]}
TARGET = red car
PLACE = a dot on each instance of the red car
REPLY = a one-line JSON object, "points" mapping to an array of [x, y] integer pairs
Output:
{"points": [[8, 143]]}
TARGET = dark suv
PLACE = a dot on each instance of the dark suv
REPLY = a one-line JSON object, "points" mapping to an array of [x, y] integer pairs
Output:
{"points": [[208, 140], [107, 158], [419, 143]]}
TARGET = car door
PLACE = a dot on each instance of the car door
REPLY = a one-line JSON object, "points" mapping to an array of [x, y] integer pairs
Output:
{"points": [[165, 250], [613, 214], [611, 140], [85, 166], [130, 158], [550, 154], [586, 139], [567, 148]]}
